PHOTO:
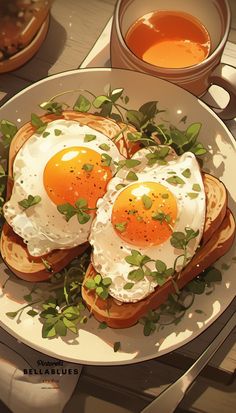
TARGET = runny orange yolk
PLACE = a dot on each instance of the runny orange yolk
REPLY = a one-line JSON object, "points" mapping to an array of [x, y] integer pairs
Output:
{"points": [[74, 173], [144, 214]]}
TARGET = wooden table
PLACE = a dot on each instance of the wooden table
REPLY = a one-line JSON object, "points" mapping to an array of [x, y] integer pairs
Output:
{"points": [[74, 27]]}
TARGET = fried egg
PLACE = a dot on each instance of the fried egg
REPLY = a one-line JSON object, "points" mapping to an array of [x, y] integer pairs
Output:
{"points": [[133, 216], [60, 166]]}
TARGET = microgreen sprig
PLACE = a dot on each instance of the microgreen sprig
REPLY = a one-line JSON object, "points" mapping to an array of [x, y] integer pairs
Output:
{"points": [[37, 123], [162, 217], [56, 321], [181, 240], [99, 285], [79, 209], [159, 275], [30, 201], [158, 156], [8, 130]]}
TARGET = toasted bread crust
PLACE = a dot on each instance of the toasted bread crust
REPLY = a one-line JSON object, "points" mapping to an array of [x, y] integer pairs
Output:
{"points": [[13, 250], [216, 204], [125, 315], [22, 264]]}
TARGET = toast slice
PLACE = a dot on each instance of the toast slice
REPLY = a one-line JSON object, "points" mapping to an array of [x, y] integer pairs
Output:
{"points": [[28, 268], [14, 251], [217, 238], [122, 315], [216, 204]]}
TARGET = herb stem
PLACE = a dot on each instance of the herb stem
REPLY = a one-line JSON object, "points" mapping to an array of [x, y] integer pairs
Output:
{"points": [[162, 133], [65, 288], [175, 286], [71, 91], [119, 133], [119, 111], [121, 106], [176, 259]]}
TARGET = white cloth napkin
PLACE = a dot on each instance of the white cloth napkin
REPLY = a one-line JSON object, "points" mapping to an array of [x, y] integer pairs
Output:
{"points": [[31, 381]]}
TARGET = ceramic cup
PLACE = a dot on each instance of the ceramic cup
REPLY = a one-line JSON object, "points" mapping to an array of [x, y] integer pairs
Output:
{"points": [[213, 14]]}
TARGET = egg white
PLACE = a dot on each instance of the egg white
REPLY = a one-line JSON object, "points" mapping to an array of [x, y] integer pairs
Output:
{"points": [[109, 250], [42, 227]]}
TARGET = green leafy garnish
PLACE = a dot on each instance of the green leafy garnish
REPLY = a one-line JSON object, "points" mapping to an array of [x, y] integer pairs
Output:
{"points": [[30, 201], [37, 123], [89, 137], [192, 195], [135, 117], [128, 286], [186, 173], [128, 163], [32, 313], [55, 108], [183, 141], [136, 275], [158, 156], [147, 202], [149, 322], [82, 104], [196, 187], [79, 209], [134, 136], [62, 311], [100, 100], [104, 147], [12, 314], [57, 132], [99, 285], [145, 114], [120, 186], [131, 163], [162, 217], [175, 180], [180, 240], [171, 312], [56, 322], [88, 167], [131, 176], [121, 226], [45, 134], [8, 130], [115, 94], [106, 159], [136, 259]]}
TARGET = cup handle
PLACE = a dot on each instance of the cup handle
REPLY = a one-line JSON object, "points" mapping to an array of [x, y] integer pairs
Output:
{"points": [[225, 77]]}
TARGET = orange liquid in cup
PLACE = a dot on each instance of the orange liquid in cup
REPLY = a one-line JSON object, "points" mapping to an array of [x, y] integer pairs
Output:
{"points": [[170, 39]]}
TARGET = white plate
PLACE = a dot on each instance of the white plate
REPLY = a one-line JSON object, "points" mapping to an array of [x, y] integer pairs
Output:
{"points": [[94, 346]]}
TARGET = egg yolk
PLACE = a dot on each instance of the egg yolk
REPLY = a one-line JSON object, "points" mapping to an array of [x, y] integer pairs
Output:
{"points": [[76, 172], [144, 214]]}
